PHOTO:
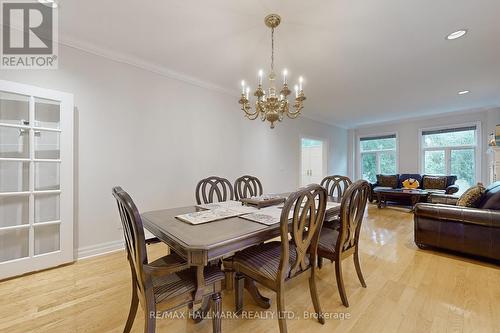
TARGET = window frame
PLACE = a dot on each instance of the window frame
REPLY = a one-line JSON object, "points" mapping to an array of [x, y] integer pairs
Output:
{"points": [[359, 153], [447, 150]]}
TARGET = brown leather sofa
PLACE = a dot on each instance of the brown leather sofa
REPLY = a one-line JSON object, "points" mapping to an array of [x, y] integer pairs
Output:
{"points": [[474, 231]]}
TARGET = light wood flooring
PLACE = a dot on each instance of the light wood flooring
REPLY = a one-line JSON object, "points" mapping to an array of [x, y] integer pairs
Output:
{"points": [[409, 290]]}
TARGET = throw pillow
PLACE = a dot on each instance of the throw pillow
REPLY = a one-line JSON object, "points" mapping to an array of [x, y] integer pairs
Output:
{"points": [[434, 182], [387, 180], [472, 196]]}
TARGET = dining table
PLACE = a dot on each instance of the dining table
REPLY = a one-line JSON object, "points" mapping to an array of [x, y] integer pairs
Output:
{"points": [[206, 243]]}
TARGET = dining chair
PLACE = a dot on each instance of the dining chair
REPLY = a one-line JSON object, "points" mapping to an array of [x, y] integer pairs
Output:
{"points": [[336, 185], [338, 244], [273, 263], [168, 280], [208, 187], [246, 187]]}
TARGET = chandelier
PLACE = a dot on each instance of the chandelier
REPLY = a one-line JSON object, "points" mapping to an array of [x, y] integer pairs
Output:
{"points": [[273, 105]]}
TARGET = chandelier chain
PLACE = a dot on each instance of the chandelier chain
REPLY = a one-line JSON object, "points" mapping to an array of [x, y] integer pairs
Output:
{"points": [[272, 50]]}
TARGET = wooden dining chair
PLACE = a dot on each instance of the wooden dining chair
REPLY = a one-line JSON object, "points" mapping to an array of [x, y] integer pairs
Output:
{"points": [[338, 244], [168, 280], [213, 189], [247, 186], [273, 263], [336, 185]]}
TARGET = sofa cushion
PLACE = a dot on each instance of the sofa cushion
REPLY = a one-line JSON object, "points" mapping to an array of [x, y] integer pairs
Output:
{"points": [[491, 197], [406, 176], [434, 182], [388, 180], [472, 196]]}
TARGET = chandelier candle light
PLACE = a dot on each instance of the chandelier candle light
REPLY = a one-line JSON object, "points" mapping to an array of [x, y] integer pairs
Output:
{"points": [[272, 106]]}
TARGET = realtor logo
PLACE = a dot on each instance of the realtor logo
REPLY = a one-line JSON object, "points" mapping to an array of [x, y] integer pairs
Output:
{"points": [[29, 35]]}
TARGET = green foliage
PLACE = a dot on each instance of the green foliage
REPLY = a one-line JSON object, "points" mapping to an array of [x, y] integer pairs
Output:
{"points": [[369, 167], [377, 144], [461, 138]]}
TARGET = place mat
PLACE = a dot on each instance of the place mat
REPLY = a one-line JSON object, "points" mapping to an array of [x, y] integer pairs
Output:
{"points": [[232, 205], [272, 215], [206, 216], [267, 216]]}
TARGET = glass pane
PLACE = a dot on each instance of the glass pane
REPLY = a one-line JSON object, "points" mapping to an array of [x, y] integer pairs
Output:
{"points": [[14, 176], [463, 165], [14, 142], [311, 143], [388, 163], [46, 207], [47, 145], [434, 163], [14, 109], [369, 167], [450, 139], [47, 113], [14, 211], [14, 244], [377, 144], [46, 238], [46, 176]]}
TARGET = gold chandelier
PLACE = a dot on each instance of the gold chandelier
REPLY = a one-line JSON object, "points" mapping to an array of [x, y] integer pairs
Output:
{"points": [[272, 106]]}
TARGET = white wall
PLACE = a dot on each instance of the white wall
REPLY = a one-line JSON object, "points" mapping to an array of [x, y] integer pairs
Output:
{"points": [[156, 137], [408, 136]]}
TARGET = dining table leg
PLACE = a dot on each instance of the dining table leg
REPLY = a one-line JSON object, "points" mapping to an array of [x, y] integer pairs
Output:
{"points": [[252, 289], [202, 312]]}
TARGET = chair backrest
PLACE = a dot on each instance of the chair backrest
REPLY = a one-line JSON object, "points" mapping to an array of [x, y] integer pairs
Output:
{"points": [[208, 187], [134, 238], [247, 186], [306, 208], [352, 209], [336, 185]]}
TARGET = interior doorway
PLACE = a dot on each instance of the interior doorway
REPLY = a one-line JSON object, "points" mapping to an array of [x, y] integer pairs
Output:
{"points": [[313, 160]]}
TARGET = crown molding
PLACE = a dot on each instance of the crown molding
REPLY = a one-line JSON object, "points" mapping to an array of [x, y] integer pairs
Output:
{"points": [[398, 120], [141, 64]]}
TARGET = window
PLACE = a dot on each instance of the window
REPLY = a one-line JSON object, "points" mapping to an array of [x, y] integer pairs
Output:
{"points": [[378, 155], [451, 151]]}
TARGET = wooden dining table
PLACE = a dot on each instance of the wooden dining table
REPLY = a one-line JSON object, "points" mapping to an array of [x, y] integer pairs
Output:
{"points": [[204, 243]]}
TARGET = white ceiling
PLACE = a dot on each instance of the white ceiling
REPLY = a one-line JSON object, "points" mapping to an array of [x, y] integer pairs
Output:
{"points": [[363, 61]]}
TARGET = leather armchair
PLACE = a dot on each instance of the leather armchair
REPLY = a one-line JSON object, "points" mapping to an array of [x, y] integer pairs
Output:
{"points": [[474, 231]]}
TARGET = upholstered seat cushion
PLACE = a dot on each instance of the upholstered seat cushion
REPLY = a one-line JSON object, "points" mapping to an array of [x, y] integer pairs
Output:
{"points": [[172, 285], [264, 259], [328, 240]]}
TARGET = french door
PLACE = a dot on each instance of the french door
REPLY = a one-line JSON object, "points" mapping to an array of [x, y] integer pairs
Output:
{"points": [[36, 178], [313, 161]]}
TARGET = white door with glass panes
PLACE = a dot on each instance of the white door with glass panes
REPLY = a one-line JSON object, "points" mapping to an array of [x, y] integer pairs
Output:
{"points": [[313, 161], [36, 178]]}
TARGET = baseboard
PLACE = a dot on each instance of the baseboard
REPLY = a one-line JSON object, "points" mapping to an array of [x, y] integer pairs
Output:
{"points": [[99, 249]]}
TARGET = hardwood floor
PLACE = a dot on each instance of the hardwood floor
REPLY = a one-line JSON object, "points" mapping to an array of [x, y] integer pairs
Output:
{"points": [[409, 290]]}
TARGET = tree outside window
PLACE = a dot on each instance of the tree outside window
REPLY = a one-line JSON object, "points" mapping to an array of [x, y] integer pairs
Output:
{"points": [[378, 156], [451, 151]]}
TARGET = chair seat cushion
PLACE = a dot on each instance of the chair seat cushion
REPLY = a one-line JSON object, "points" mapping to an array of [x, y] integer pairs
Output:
{"points": [[264, 260], [172, 285], [328, 240]]}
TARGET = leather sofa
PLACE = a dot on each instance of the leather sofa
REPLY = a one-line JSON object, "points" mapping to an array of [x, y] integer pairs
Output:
{"points": [[396, 181], [473, 231]]}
